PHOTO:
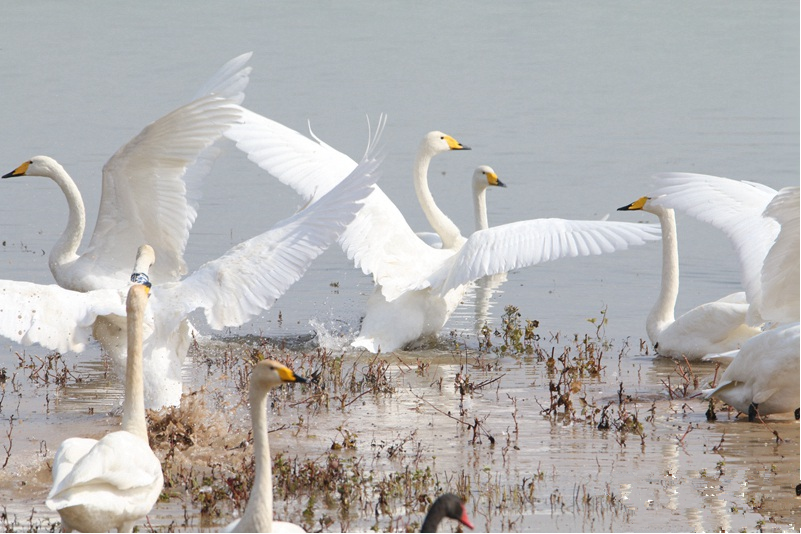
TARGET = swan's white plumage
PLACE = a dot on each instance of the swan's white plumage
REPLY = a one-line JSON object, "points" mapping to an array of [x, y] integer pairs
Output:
{"points": [[259, 270], [258, 514], [714, 327], [145, 195], [232, 290], [115, 481], [778, 300], [53, 317], [417, 286], [734, 207], [765, 371]]}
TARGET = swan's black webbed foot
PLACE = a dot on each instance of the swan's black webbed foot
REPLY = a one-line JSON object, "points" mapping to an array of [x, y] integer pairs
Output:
{"points": [[752, 412]]}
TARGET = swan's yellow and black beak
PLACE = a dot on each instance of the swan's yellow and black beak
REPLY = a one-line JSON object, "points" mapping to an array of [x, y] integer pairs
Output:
{"points": [[636, 205], [493, 179], [453, 144], [19, 171], [288, 375]]}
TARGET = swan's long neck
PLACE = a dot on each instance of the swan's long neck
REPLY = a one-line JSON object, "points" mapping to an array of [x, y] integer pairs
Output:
{"points": [[65, 249], [258, 516], [445, 228], [133, 408], [480, 207], [662, 314]]}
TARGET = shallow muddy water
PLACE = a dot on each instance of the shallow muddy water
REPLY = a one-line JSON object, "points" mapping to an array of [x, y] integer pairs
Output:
{"points": [[379, 433]]}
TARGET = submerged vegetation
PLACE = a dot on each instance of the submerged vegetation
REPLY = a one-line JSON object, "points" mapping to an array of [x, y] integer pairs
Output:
{"points": [[529, 426]]}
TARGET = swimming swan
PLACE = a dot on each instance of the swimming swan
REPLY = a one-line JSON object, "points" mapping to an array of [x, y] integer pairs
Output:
{"points": [[713, 327], [115, 481], [150, 190], [418, 286], [258, 515], [762, 377], [738, 208], [232, 289]]}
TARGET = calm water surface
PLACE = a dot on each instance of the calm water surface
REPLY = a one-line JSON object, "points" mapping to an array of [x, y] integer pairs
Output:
{"points": [[574, 106]]}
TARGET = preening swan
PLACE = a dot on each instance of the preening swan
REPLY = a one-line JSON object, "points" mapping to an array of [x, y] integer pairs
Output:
{"points": [[418, 286], [113, 482], [446, 505], [232, 290], [763, 377], [150, 190], [738, 208], [713, 327], [258, 515]]}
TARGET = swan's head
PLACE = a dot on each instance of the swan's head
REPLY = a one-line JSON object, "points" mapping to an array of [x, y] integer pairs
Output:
{"points": [[644, 204], [438, 142], [485, 177], [36, 166], [447, 505], [268, 374]]}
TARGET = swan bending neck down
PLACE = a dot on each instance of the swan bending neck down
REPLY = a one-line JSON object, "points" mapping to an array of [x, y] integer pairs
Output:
{"points": [[762, 377], [714, 327], [113, 482], [432, 144], [258, 515]]}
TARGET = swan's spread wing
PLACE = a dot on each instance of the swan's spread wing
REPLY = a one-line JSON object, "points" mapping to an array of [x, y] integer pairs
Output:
{"points": [[251, 276], [230, 81], [779, 300], [53, 317], [144, 193], [511, 246], [309, 167], [379, 240], [381, 243], [734, 207]]}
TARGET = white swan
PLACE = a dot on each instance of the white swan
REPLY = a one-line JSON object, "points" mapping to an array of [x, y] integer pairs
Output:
{"points": [[150, 190], [258, 515], [447, 505], [115, 481], [232, 289], [713, 327], [484, 177], [738, 208], [417, 286], [763, 376]]}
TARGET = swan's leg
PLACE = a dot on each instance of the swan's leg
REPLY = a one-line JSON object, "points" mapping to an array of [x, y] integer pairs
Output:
{"points": [[752, 412]]}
